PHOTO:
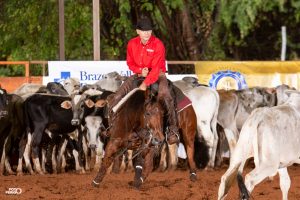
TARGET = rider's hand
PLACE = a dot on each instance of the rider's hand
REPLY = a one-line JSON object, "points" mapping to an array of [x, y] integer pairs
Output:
{"points": [[143, 86], [145, 71]]}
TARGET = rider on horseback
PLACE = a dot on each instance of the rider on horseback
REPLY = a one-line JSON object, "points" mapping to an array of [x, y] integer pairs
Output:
{"points": [[146, 58]]}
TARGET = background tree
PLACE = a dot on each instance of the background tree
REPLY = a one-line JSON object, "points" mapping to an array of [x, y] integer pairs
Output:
{"points": [[190, 29]]}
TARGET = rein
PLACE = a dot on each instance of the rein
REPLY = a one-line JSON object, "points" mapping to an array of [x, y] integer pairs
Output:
{"points": [[141, 148]]}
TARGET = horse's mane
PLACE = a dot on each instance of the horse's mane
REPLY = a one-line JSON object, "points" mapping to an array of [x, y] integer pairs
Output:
{"points": [[133, 97]]}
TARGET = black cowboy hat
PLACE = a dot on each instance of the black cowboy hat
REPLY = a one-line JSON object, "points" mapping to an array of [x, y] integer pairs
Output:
{"points": [[144, 24]]}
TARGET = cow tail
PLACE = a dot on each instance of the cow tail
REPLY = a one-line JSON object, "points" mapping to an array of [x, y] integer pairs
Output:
{"points": [[27, 121], [244, 194], [201, 155]]}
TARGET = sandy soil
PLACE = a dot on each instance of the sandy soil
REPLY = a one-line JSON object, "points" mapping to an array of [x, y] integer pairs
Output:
{"points": [[160, 185]]}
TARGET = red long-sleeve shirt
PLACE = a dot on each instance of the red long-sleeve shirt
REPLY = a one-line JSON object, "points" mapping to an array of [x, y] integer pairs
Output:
{"points": [[151, 55]]}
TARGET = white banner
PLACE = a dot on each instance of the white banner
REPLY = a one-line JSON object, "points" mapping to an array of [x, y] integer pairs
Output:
{"points": [[88, 72]]}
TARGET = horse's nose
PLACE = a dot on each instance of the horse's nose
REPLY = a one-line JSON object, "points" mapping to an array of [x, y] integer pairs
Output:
{"points": [[93, 146], [156, 141]]}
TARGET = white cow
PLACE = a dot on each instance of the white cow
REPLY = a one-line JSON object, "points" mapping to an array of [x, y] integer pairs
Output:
{"points": [[111, 81], [71, 85], [271, 136], [205, 101], [236, 106]]}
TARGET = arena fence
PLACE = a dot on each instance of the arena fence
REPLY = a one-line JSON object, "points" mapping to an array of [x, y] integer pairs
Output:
{"points": [[217, 74], [12, 83]]}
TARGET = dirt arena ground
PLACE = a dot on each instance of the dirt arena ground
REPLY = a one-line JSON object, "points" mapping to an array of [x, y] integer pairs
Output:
{"points": [[168, 185]]}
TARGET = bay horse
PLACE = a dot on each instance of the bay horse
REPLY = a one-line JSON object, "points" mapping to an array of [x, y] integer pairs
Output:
{"points": [[128, 125], [187, 124]]}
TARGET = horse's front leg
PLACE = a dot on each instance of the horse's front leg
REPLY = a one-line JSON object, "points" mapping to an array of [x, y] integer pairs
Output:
{"points": [[138, 169], [111, 149], [143, 169]]}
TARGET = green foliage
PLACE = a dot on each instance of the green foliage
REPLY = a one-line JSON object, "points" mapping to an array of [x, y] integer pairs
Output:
{"points": [[30, 29], [78, 31], [223, 29], [214, 50], [4, 71]]}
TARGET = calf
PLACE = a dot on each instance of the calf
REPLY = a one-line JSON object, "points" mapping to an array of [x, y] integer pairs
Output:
{"points": [[94, 128], [43, 111]]}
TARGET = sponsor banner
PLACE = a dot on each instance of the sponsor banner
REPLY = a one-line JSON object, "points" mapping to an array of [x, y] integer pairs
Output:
{"points": [[88, 72], [239, 75]]}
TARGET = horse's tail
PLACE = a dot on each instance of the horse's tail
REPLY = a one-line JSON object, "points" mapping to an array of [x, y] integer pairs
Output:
{"points": [[201, 156], [244, 194]]}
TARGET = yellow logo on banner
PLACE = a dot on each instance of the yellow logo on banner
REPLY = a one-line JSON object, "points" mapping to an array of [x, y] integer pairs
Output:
{"points": [[237, 75]]}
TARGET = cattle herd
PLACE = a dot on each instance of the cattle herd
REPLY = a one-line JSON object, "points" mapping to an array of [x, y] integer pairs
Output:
{"points": [[63, 126]]}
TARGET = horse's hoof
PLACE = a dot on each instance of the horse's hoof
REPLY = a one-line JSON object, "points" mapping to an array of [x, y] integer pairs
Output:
{"points": [[193, 177], [95, 184], [135, 184]]}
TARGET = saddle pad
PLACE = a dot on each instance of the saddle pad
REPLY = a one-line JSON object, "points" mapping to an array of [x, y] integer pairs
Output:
{"points": [[183, 103], [181, 100]]}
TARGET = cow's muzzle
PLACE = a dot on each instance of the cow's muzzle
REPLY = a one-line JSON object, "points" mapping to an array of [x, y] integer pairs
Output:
{"points": [[75, 122]]}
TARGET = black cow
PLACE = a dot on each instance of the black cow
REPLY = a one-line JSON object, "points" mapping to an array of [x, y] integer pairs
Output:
{"points": [[53, 88], [28, 89], [45, 112], [11, 127], [90, 103]]}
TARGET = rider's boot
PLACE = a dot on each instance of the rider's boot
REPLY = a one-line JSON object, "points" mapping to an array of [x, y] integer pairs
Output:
{"points": [[172, 133]]}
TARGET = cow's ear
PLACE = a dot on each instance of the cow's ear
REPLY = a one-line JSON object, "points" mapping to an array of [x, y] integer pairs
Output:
{"points": [[100, 103], [66, 105], [89, 103]]}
